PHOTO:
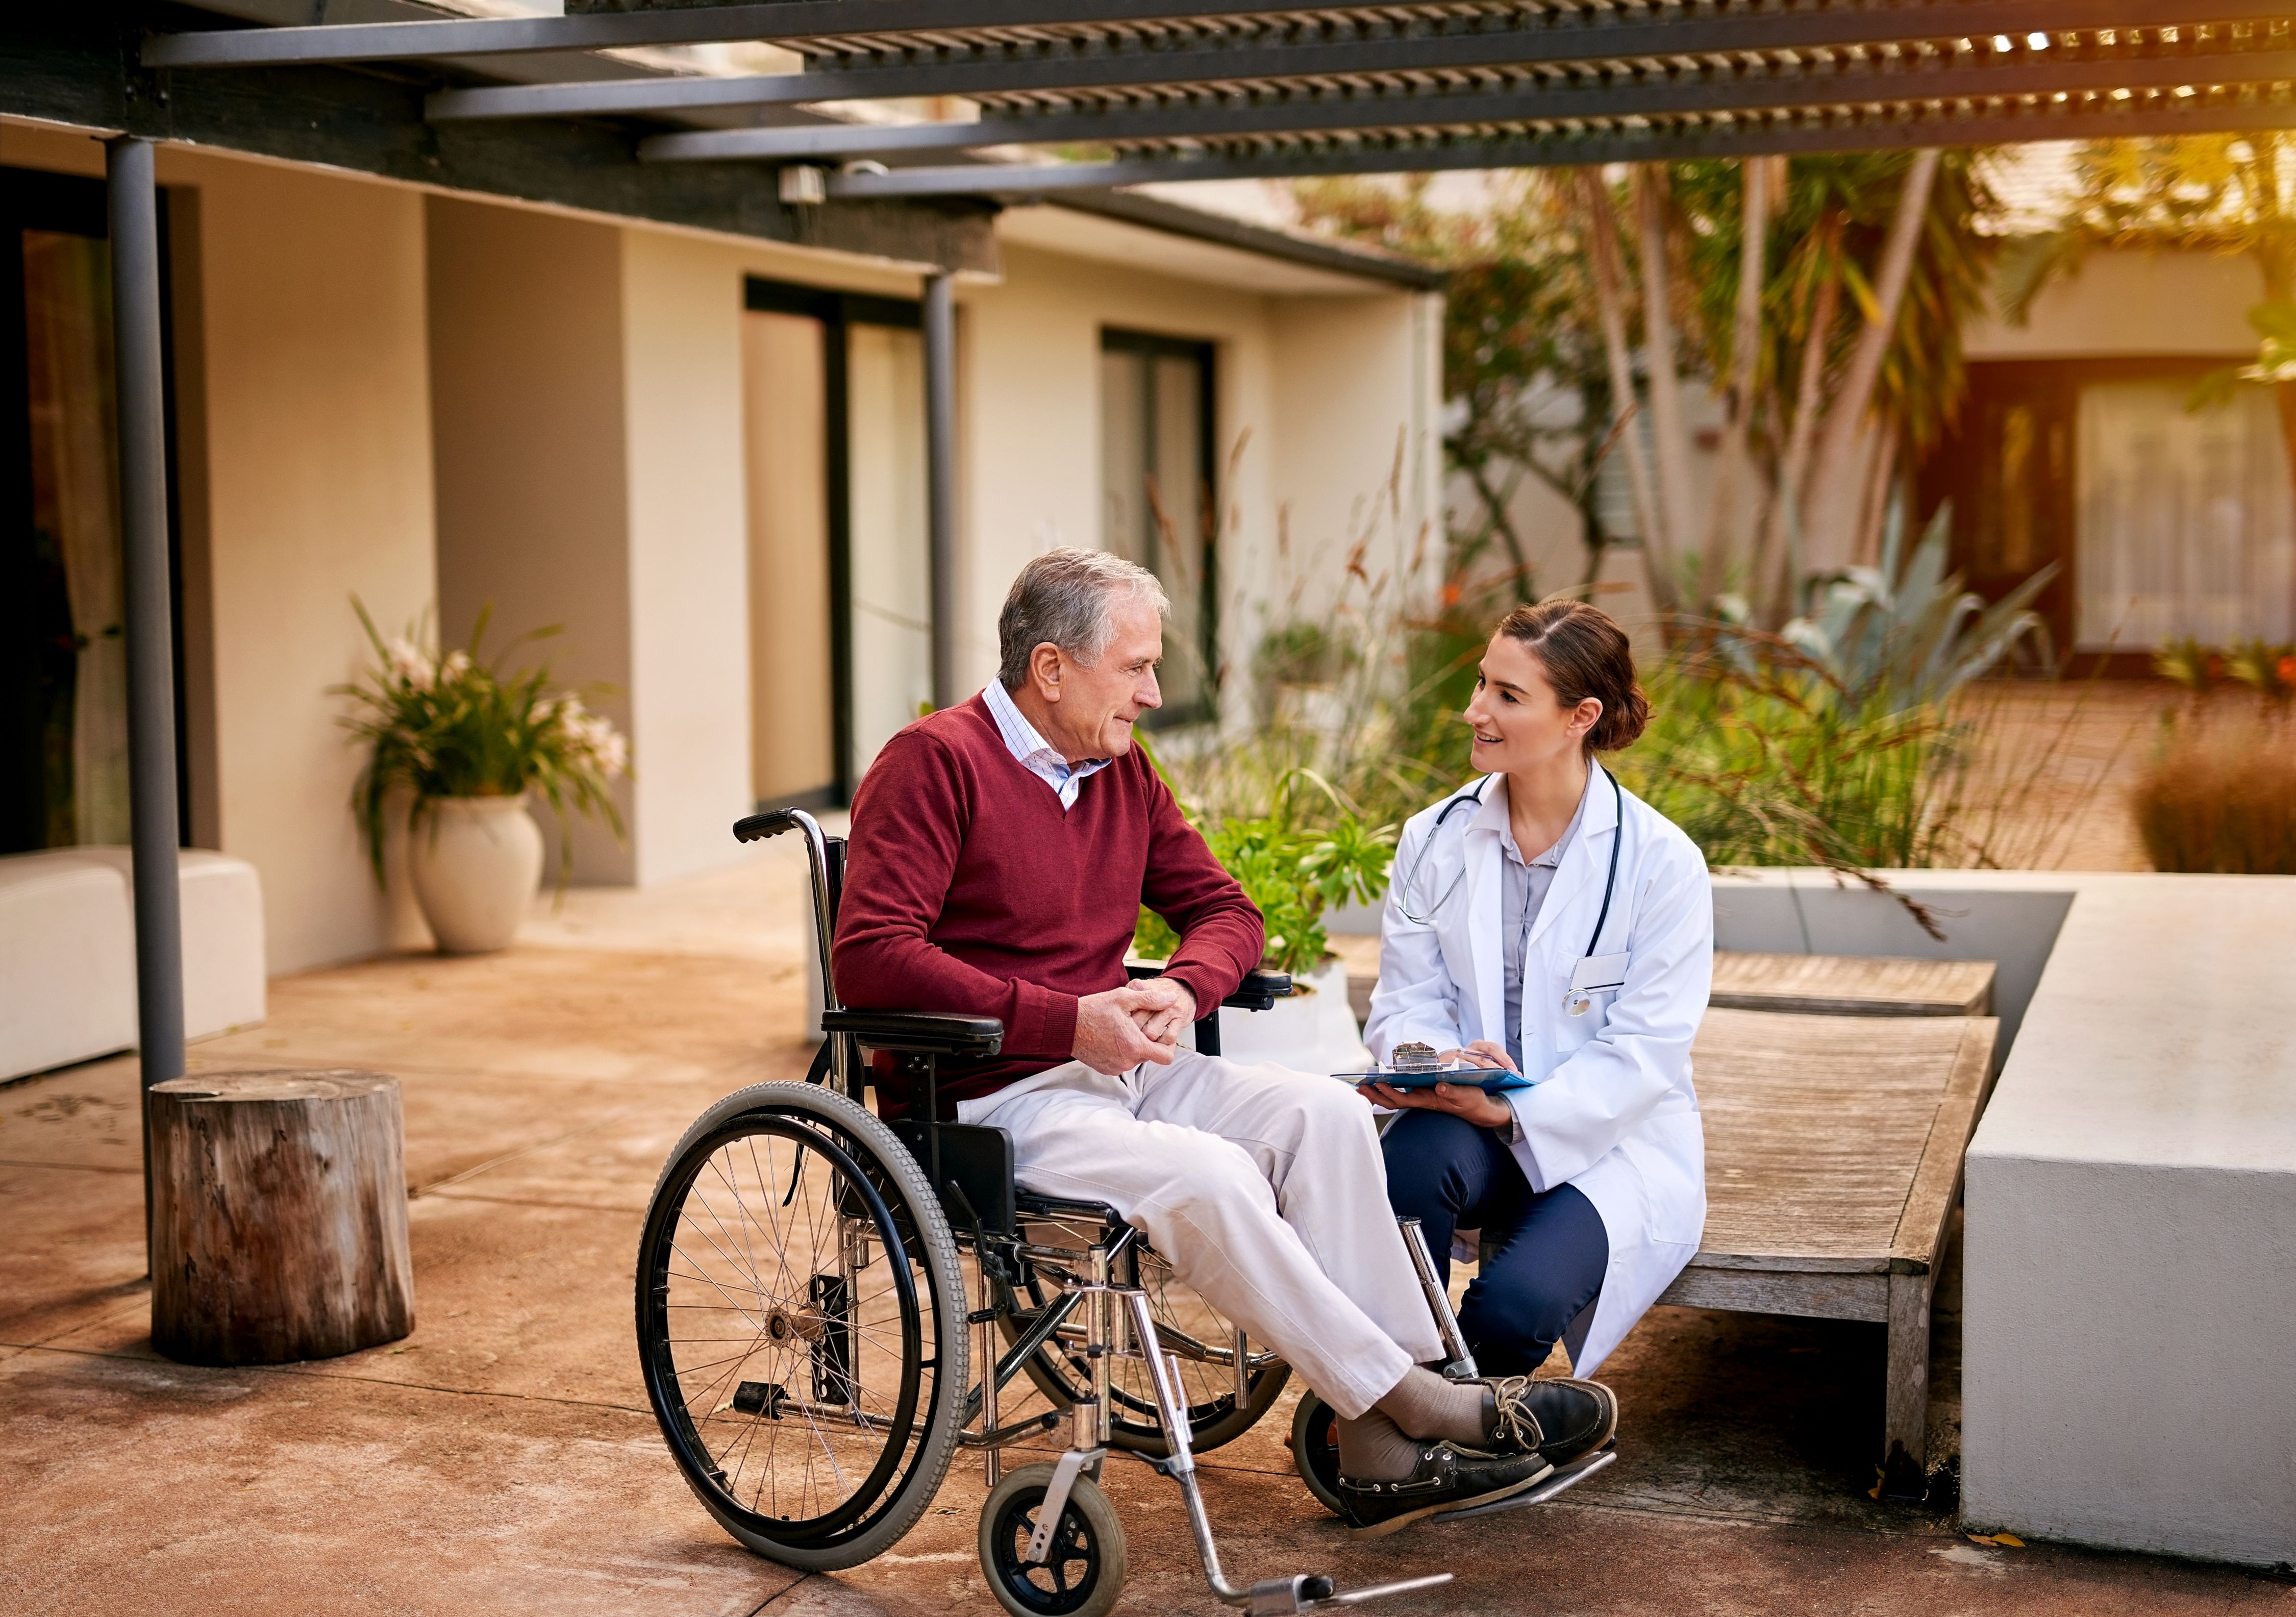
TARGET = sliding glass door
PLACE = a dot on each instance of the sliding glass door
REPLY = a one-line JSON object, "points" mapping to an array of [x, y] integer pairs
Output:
{"points": [[840, 591]]}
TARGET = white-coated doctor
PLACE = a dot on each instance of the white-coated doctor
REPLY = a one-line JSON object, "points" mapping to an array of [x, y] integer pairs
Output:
{"points": [[1547, 921]]}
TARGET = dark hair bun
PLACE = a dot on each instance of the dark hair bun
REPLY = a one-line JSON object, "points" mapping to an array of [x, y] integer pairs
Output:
{"points": [[1585, 653]]}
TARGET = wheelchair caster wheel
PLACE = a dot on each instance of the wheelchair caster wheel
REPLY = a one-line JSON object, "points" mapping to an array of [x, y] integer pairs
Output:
{"points": [[1081, 1574], [1315, 1450]]}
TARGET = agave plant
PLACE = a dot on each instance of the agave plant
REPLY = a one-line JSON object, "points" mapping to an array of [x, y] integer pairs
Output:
{"points": [[1906, 634]]}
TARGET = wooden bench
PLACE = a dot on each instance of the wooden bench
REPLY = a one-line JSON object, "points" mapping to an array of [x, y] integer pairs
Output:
{"points": [[1852, 985], [1833, 1151]]}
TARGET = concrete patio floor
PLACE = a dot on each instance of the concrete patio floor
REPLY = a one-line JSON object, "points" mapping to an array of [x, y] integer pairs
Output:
{"points": [[502, 1457]]}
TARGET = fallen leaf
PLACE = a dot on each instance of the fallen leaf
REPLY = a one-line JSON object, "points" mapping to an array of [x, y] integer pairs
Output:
{"points": [[2003, 1541]]}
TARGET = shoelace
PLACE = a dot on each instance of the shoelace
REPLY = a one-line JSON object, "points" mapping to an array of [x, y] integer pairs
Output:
{"points": [[1513, 1420]]}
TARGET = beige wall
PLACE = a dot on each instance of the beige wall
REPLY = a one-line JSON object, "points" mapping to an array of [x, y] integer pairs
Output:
{"points": [[1030, 388], [1357, 459], [317, 417], [577, 387], [2133, 303], [526, 401], [1315, 396], [588, 384], [689, 552]]}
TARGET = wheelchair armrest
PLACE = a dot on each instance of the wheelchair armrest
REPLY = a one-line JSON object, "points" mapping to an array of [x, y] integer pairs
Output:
{"points": [[919, 1032], [1258, 991]]}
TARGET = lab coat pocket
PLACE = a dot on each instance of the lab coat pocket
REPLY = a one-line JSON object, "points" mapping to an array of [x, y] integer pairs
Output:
{"points": [[1573, 1031], [1669, 1155]]}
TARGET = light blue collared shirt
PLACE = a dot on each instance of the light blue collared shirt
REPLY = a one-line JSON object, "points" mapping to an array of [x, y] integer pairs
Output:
{"points": [[1038, 756]]}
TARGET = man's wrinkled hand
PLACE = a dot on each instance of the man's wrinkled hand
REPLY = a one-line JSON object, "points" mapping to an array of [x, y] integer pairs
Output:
{"points": [[1111, 1032], [1177, 1015]]}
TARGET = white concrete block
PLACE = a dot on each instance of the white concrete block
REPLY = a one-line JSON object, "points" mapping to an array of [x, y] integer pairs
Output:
{"points": [[2129, 1324], [67, 961], [224, 980], [68, 953], [2128, 1339]]}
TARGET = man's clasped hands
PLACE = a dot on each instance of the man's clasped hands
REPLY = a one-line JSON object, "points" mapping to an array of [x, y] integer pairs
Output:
{"points": [[1143, 1021]]}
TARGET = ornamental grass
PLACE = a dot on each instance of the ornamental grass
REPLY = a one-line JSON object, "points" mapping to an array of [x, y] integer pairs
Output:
{"points": [[2220, 796]]}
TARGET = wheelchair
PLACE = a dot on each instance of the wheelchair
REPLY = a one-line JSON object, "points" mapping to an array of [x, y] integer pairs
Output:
{"points": [[815, 1356]]}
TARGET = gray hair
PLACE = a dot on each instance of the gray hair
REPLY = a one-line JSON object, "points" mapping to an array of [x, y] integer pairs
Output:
{"points": [[1062, 598]]}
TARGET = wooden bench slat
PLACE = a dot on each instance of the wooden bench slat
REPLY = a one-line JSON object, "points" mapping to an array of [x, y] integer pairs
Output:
{"points": [[1852, 985], [1817, 1126]]}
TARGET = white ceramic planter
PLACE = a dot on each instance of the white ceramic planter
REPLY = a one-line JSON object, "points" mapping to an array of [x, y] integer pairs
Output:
{"points": [[1313, 1032], [475, 863]]}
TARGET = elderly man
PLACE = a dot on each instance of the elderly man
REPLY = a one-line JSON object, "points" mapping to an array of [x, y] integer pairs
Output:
{"points": [[1000, 853]]}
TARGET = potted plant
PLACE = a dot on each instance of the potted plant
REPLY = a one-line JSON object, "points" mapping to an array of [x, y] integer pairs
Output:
{"points": [[1293, 871], [463, 744]]}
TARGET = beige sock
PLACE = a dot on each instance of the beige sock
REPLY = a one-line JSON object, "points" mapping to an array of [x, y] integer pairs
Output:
{"points": [[1427, 1406], [1373, 1450]]}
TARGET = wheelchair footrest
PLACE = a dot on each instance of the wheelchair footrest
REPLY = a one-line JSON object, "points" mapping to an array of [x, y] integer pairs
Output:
{"points": [[1568, 1478], [1280, 1596]]}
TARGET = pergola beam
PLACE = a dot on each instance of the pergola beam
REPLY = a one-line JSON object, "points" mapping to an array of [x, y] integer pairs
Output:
{"points": [[1747, 138], [776, 19], [2030, 75], [1676, 28]]}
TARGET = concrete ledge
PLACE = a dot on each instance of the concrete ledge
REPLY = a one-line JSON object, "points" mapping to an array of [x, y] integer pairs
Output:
{"points": [[68, 953], [2129, 1310]]}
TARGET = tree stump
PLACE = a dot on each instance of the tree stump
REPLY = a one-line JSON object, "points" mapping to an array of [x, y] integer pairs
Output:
{"points": [[278, 1216]]}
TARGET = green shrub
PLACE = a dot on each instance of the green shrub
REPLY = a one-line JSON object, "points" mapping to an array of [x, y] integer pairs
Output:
{"points": [[1292, 872]]}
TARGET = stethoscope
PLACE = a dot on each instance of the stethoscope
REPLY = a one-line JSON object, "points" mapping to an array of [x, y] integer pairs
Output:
{"points": [[1579, 1000]]}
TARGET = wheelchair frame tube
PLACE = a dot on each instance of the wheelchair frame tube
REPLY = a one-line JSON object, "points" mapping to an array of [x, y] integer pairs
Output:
{"points": [[1439, 1302]]}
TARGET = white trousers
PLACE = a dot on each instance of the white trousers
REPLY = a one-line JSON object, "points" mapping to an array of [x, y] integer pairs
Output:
{"points": [[1262, 1187]]}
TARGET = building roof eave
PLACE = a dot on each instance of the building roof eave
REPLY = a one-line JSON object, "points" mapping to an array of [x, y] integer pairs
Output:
{"points": [[1177, 219]]}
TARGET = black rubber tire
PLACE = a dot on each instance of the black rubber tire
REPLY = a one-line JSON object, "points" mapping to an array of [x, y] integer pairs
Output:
{"points": [[1090, 1538], [876, 1178], [1134, 1425], [1315, 1450]]}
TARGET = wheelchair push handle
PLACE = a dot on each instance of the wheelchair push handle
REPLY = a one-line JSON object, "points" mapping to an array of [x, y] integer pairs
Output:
{"points": [[772, 823]]}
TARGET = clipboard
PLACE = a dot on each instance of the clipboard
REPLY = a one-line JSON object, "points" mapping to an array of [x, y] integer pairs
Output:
{"points": [[1490, 1080]]}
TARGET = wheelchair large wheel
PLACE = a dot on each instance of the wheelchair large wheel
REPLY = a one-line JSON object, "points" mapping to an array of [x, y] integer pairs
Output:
{"points": [[800, 1322], [1192, 1330]]}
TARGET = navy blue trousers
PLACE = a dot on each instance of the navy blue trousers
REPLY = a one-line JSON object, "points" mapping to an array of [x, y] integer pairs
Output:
{"points": [[1448, 1173]]}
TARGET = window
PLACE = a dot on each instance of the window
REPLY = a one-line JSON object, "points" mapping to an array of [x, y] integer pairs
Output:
{"points": [[1156, 497], [64, 648], [2185, 518]]}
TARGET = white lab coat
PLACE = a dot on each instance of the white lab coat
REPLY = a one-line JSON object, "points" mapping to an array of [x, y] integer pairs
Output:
{"points": [[1612, 1110]]}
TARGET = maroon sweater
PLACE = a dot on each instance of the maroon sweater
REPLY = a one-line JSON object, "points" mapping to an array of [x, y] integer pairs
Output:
{"points": [[968, 889]]}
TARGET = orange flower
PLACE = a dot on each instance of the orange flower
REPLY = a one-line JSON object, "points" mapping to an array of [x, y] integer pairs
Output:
{"points": [[2286, 669]]}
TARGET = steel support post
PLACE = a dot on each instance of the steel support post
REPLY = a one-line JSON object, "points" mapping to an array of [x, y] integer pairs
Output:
{"points": [[151, 619], [940, 478]]}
